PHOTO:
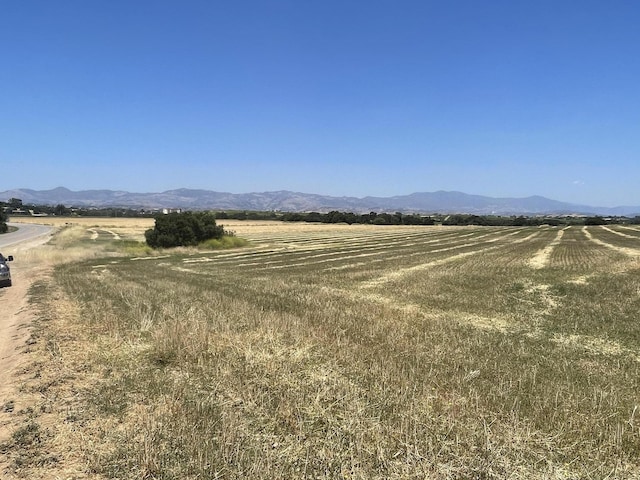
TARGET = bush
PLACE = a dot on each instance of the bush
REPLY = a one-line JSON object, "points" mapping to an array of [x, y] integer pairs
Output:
{"points": [[224, 242], [594, 221], [183, 230]]}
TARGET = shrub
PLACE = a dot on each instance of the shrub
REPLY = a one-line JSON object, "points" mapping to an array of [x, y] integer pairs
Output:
{"points": [[228, 241], [183, 229]]}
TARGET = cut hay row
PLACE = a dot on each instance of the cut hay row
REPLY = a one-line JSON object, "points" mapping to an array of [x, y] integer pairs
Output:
{"points": [[576, 255], [395, 275], [279, 244], [615, 232], [289, 245], [314, 243], [541, 258], [401, 251], [399, 246], [628, 228], [320, 234], [514, 254], [633, 252]]}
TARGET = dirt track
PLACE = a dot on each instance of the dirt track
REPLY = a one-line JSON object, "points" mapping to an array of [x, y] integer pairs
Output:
{"points": [[15, 321]]}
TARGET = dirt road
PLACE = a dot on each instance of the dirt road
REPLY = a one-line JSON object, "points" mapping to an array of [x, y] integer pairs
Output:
{"points": [[15, 315]]}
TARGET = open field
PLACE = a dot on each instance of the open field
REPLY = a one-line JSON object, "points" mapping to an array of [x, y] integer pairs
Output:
{"points": [[335, 351]]}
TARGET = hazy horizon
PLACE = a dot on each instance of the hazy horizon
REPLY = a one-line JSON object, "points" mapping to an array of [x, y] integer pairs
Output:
{"points": [[363, 99], [314, 193]]}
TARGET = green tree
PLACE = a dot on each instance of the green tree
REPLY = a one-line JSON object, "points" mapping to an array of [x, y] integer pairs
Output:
{"points": [[380, 220], [334, 217], [183, 229], [3, 222], [594, 221], [60, 210]]}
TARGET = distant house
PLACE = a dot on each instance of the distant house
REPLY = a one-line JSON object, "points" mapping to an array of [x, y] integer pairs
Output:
{"points": [[20, 211]]}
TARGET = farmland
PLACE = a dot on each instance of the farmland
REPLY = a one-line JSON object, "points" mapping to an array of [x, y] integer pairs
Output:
{"points": [[336, 351]]}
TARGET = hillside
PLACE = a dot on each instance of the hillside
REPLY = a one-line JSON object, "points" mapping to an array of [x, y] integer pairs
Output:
{"points": [[424, 202]]}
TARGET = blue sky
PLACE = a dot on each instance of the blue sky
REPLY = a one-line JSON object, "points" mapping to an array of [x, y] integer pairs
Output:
{"points": [[356, 98]]}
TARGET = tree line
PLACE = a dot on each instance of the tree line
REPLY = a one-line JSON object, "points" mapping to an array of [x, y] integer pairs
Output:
{"points": [[372, 218]]}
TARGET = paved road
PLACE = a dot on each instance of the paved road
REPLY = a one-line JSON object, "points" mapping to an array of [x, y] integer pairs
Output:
{"points": [[25, 232]]}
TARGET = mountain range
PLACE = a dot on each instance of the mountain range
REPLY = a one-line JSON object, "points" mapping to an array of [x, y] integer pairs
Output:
{"points": [[425, 202]]}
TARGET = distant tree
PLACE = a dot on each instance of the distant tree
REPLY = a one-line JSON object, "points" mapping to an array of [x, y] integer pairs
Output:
{"points": [[183, 229], [519, 221], [335, 217], [350, 218], [61, 210], [388, 219], [292, 217], [380, 220], [594, 221], [455, 220], [313, 217], [417, 220], [3, 222]]}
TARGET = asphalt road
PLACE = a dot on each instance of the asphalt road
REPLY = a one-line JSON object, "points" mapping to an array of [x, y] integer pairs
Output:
{"points": [[25, 232]]}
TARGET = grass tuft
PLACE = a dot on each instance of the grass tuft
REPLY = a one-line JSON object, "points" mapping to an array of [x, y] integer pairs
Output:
{"points": [[226, 241]]}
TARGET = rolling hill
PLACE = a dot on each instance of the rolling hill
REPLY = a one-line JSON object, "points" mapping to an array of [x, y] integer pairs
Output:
{"points": [[424, 202]]}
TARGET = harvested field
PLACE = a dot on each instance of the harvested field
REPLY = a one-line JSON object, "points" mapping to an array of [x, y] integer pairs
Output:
{"points": [[335, 351]]}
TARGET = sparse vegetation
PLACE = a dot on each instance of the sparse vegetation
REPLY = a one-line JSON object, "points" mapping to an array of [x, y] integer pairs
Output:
{"points": [[335, 351], [227, 241]]}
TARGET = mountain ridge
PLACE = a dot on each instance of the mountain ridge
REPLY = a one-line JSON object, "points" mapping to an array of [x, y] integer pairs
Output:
{"points": [[448, 202]]}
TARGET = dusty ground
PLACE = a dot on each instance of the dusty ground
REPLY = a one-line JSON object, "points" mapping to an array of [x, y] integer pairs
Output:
{"points": [[14, 333], [15, 337]]}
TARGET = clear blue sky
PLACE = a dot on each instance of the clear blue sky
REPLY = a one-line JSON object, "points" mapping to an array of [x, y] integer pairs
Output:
{"points": [[499, 98]]}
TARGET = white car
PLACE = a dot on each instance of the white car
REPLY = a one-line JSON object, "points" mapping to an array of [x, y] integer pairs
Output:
{"points": [[5, 271]]}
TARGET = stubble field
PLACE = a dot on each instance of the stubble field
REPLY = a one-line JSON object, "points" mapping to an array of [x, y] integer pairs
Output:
{"points": [[335, 351]]}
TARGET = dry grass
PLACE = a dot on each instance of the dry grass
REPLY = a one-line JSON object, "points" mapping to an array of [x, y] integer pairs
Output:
{"points": [[349, 352]]}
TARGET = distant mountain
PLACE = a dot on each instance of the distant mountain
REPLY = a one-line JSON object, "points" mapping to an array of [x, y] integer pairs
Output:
{"points": [[425, 202]]}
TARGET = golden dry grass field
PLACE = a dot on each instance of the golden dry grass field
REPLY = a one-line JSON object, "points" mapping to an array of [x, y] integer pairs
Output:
{"points": [[335, 351]]}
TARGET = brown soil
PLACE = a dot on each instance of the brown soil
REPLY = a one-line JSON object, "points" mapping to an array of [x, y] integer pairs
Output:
{"points": [[15, 320], [16, 317]]}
